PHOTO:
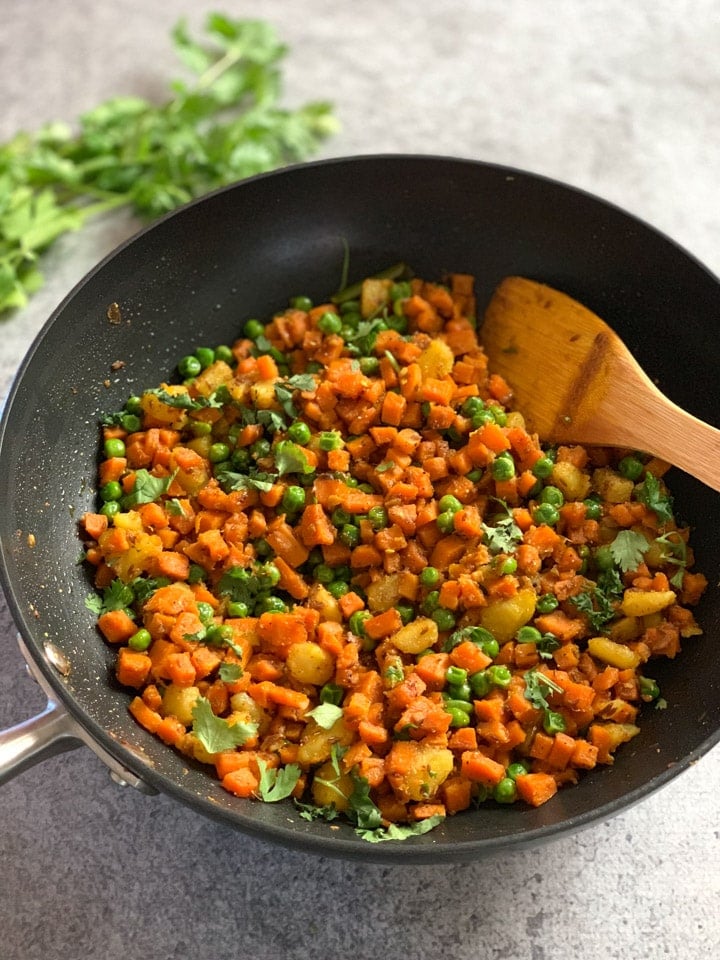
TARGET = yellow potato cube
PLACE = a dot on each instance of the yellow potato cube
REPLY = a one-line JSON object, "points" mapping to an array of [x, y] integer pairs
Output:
{"points": [[308, 662], [503, 618], [416, 636], [640, 603], [329, 788], [612, 653]]}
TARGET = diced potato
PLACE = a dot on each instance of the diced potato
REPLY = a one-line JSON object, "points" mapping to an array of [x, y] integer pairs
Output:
{"points": [[329, 788], [626, 628], [316, 743], [308, 662], [159, 414], [503, 618], [611, 486], [515, 419], [419, 776], [620, 733], [262, 394], [179, 702], [245, 710], [383, 593], [640, 603], [324, 602], [416, 636], [574, 484], [201, 445], [612, 653], [436, 361], [373, 295], [212, 377], [138, 558], [130, 521]]}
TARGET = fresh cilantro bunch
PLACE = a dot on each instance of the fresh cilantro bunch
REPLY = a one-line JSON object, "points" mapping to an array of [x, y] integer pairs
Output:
{"points": [[224, 125]]}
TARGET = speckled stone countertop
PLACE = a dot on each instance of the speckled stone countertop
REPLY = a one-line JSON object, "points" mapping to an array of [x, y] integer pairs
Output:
{"points": [[618, 98]]}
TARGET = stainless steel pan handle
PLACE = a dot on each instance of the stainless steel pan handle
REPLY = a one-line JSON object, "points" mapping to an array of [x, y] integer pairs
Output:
{"points": [[54, 731], [36, 739]]}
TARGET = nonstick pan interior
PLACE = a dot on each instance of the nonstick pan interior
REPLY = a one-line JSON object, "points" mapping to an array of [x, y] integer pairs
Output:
{"points": [[194, 277]]}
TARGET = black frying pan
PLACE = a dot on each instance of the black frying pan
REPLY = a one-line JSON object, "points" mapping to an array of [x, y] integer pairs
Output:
{"points": [[192, 279]]}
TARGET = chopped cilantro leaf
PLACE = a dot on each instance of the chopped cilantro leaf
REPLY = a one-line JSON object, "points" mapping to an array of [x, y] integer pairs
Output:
{"points": [[174, 507], [325, 714], [147, 489], [290, 458], [302, 381], [503, 537], [116, 596], [229, 672], [364, 813], [628, 549], [230, 480], [277, 783], [538, 687], [650, 492], [216, 734], [400, 831], [308, 811], [385, 465]]}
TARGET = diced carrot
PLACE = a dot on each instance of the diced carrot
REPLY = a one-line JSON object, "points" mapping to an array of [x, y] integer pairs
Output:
{"points": [[432, 668], [350, 603], [241, 782], [457, 794], [171, 564], [383, 624], [464, 738], [180, 669], [94, 524], [145, 716], [482, 769], [116, 626], [536, 788], [133, 667], [469, 656]]}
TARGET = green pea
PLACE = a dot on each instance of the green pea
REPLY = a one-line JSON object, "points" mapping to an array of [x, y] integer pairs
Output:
{"points": [[236, 608], [593, 510], [201, 429], [330, 323], [369, 366], [449, 504], [110, 508], [503, 467], [431, 602], [552, 495], [111, 491], [357, 621], [349, 535], [460, 691], [543, 467], [516, 770], [508, 566], [301, 303], [293, 499], [398, 323], [546, 513], [140, 640], [330, 440], [481, 417], [299, 432], [445, 619], [499, 676], [332, 693], [224, 353], [189, 367], [350, 306], [262, 548], [407, 613], [553, 723], [471, 406], [260, 449], [528, 635], [338, 588], [631, 468], [546, 603], [480, 683], [323, 573], [134, 405], [270, 604], [429, 576], [218, 452], [254, 329], [458, 717], [206, 356], [446, 521], [378, 518], [218, 634], [240, 459], [270, 573], [342, 572], [130, 422], [114, 447], [505, 791], [475, 476], [456, 675]]}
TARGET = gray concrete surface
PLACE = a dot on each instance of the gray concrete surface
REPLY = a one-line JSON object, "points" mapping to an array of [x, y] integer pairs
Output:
{"points": [[618, 98]]}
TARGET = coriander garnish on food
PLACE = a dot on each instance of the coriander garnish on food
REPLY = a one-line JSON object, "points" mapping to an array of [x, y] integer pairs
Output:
{"points": [[128, 152]]}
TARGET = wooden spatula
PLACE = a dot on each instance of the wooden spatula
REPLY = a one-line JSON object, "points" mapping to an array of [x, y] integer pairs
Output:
{"points": [[575, 381]]}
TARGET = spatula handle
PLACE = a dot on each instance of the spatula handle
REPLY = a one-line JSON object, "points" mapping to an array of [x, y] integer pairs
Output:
{"points": [[688, 443]]}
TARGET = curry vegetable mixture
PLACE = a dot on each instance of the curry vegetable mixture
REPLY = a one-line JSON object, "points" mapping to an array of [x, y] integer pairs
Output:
{"points": [[336, 567]]}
